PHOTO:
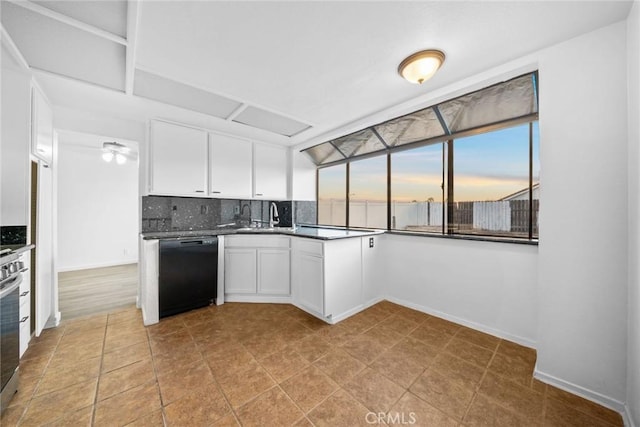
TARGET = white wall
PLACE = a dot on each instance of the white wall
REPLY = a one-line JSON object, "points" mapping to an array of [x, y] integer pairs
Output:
{"points": [[633, 358], [15, 139], [98, 217], [583, 265], [485, 285]]}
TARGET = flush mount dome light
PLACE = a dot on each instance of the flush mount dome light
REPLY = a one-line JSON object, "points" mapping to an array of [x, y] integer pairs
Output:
{"points": [[421, 66]]}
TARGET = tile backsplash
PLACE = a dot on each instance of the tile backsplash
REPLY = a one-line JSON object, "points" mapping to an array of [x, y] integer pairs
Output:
{"points": [[13, 235], [165, 213]]}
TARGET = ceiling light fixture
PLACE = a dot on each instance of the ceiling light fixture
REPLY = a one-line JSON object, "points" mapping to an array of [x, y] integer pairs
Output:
{"points": [[111, 150], [421, 66]]}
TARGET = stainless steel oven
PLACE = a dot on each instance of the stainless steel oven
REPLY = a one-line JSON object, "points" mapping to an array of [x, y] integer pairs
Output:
{"points": [[11, 269]]}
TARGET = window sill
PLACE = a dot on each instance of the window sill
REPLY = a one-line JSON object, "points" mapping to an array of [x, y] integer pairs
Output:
{"points": [[512, 240]]}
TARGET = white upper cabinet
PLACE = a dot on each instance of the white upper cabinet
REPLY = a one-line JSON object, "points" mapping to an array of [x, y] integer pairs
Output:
{"points": [[187, 161], [178, 159], [15, 134], [270, 172], [230, 167]]}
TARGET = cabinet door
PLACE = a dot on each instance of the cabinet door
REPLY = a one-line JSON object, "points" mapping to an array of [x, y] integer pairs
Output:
{"points": [[270, 172], [239, 271], [273, 271], [178, 160], [343, 278], [308, 282], [230, 167]]}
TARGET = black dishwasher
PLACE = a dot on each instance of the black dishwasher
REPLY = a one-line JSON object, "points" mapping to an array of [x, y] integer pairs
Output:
{"points": [[188, 274]]}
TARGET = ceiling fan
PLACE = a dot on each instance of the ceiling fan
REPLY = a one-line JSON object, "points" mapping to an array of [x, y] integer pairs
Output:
{"points": [[114, 150]]}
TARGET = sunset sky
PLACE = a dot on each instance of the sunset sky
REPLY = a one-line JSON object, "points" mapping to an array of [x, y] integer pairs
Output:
{"points": [[487, 167]]}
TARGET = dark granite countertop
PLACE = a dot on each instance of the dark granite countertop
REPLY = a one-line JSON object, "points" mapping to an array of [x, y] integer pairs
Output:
{"points": [[321, 233]]}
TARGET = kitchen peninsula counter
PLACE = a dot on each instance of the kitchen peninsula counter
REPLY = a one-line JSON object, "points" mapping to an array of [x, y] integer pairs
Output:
{"points": [[321, 233]]}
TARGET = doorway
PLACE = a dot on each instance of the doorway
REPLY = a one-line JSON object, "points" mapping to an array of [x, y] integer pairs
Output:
{"points": [[98, 223]]}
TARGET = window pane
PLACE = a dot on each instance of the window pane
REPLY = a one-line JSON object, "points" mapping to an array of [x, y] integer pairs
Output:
{"points": [[491, 183], [368, 193], [358, 143], [508, 100], [332, 190], [418, 126], [324, 153], [416, 192]]}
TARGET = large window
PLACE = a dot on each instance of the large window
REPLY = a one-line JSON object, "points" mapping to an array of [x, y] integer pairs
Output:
{"points": [[468, 165], [486, 184]]}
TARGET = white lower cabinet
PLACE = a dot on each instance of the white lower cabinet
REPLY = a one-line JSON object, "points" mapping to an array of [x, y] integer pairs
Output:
{"points": [[327, 277], [273, 271], [25, 306], [240, 271], [308, 279], [257, 268]]}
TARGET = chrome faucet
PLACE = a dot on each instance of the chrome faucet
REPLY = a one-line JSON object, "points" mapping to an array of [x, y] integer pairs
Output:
{"points": [[274, 219]]}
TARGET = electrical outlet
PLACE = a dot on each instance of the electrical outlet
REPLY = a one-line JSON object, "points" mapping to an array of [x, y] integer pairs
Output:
{"points": [[236, 210], [370, 242]]}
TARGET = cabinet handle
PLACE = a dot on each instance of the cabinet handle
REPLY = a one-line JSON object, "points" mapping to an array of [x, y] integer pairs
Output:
{"points": [[199, 191], [216, 192], [24, 294], [258, 194], [24, 319]]}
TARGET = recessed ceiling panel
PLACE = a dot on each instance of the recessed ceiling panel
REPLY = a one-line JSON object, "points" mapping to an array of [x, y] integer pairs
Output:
{"points": [[108, 15], [418, 126], [272, 122], [151, 86], [52, 46]]}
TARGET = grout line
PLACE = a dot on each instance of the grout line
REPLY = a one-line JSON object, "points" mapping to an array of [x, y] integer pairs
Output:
{"points": [[95, 397]]}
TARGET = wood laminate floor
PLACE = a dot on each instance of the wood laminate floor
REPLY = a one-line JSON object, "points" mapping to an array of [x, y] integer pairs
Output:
{"points": [[97, 290]]}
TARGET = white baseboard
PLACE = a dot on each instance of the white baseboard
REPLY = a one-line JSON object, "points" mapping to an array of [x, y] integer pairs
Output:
{"points": [[372, 302], [99, 265], [627, 418], [491, 331], [54, 321], [257, 299], [593, 396], [146, 319]]}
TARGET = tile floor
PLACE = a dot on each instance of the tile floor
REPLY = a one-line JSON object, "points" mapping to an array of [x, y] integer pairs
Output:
{"points": [[274, 365]]}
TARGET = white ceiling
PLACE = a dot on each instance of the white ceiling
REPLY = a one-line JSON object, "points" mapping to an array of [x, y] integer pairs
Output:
{"points": [[295, 68]]}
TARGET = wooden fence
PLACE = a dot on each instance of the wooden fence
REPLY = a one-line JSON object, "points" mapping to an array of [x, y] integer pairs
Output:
{"points": [[510, 216]]}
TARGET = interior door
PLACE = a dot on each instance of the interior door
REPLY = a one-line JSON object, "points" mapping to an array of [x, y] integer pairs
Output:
{"points": [[44, 247]]}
